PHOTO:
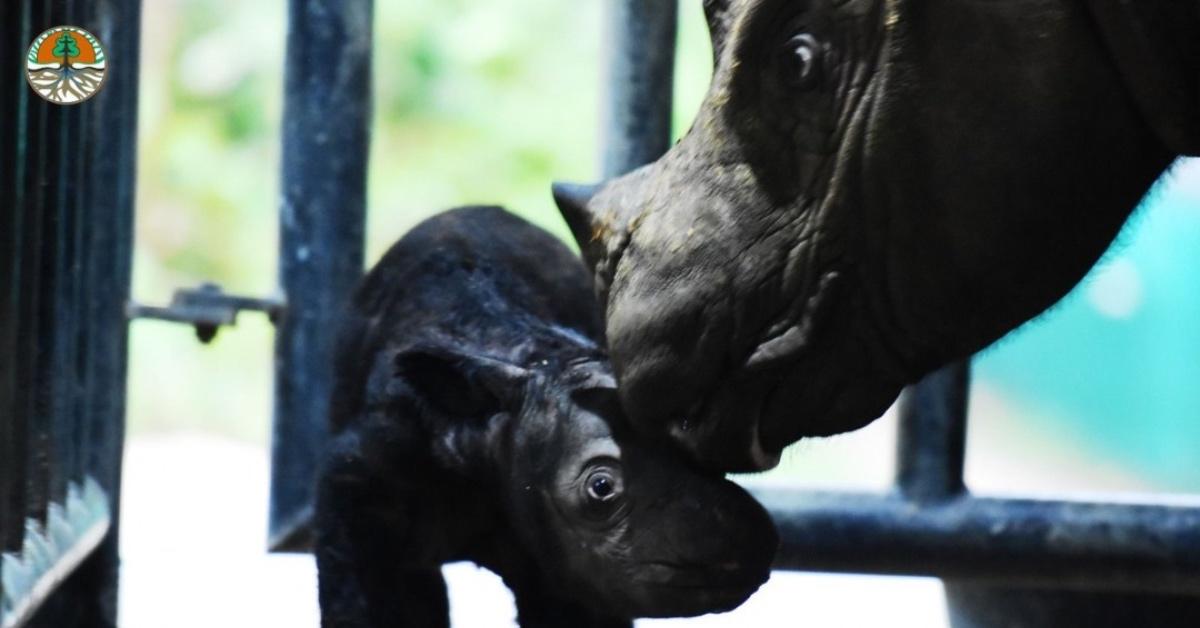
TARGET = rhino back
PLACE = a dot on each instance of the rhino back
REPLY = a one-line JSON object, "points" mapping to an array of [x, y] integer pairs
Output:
{"points": [[478, 278]]}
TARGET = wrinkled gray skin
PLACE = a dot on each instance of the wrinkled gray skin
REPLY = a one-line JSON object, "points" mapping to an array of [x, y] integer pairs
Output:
{"points": [[871, 189], [475, 417]]}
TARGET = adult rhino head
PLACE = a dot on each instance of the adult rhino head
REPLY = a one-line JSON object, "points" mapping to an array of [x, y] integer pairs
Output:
{"points": [[873, 188]]}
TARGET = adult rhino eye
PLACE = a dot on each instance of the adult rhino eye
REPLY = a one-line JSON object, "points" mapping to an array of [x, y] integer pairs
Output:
{"points": [[601, 486], [801, 61]]}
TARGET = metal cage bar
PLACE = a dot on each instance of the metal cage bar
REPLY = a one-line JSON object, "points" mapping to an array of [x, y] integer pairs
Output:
{"points": [[30, 294], [639, 78], [12, 180], [326, 128], [932, 441], [1012, 541]]}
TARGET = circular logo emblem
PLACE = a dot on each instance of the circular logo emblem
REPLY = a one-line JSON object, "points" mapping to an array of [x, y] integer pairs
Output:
{"points": [[66, 65]]}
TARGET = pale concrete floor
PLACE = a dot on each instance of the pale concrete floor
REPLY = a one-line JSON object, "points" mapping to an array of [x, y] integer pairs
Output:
{"points": [[195, 518]]}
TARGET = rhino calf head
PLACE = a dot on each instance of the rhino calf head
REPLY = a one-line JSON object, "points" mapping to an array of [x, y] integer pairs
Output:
{"points": [[621, 524], [870, 189]]}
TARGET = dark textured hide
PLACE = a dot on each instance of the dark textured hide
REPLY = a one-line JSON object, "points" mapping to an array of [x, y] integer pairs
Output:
{"points": [[476, 418], [873, 188]]}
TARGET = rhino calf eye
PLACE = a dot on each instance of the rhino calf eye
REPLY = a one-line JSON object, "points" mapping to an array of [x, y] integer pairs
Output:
{"points": [[801, 61], [601, 486]]}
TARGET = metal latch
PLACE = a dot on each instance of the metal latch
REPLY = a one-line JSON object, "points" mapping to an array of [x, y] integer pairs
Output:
{"points": [[207, 308]]}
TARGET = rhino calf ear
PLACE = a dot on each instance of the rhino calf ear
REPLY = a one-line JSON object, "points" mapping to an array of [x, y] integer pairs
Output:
{"points": [[592, 375], [461, 384]]}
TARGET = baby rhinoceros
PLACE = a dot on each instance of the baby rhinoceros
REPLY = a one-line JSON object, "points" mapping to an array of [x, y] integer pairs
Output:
{"points": [[476, 418]]}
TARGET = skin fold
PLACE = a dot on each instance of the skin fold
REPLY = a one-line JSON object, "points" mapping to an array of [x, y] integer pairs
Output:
{"points": [[475, 417], [872, 189]]}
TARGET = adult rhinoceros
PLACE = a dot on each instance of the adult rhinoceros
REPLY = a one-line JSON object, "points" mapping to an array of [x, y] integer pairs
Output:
{"points": [[873, 188]]}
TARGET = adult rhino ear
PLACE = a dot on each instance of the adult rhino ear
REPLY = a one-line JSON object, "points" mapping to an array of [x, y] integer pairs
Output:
{"points": [[459, 383], [719, 16]]}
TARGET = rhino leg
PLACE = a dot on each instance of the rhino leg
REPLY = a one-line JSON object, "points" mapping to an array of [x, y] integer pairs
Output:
{"points": [[537, 609], [366, 575], [538, 606]]}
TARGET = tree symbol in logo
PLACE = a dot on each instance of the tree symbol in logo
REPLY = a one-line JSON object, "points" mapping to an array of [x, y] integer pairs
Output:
{"points": [[66, 65], [65, 47]]}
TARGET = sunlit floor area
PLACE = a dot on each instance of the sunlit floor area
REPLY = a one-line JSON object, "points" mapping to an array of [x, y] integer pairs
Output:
{"points": [[193, 529]]}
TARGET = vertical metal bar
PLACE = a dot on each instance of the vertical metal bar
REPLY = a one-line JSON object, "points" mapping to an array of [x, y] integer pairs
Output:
{"points": [[11, 132], [33, 351], [85, 274], [112, 155], [932, 438], [76, 211], [638, 83], [113, 150], [326, 125], [23, 214], [57, 373]]}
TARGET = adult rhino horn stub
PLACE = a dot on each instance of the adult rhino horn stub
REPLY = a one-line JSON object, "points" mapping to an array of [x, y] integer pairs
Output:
{"points": [[572, 200]]}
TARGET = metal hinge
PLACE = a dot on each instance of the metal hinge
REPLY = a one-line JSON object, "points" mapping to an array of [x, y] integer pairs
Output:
{"points": [[207, 308]]}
